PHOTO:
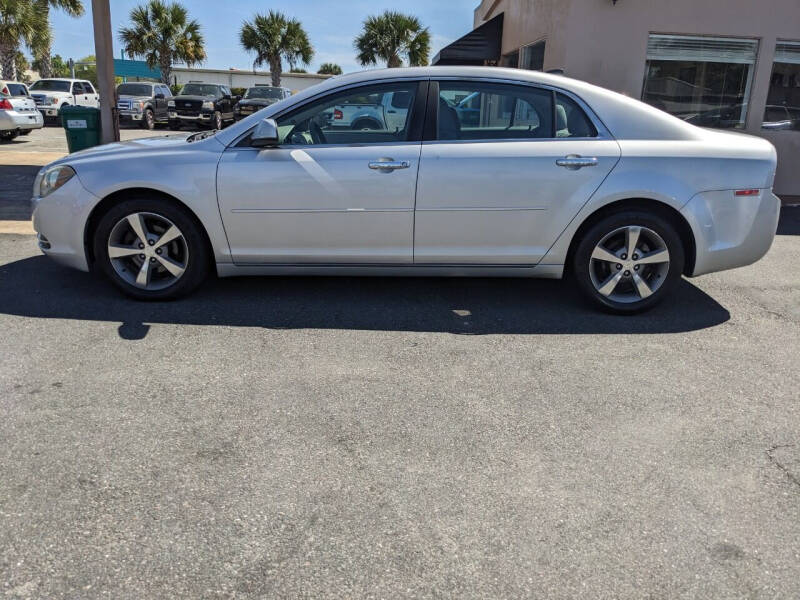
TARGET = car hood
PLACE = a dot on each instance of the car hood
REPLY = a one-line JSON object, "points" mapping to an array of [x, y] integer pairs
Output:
{"points": [[194, 98], [257, 101], [142, 148]]}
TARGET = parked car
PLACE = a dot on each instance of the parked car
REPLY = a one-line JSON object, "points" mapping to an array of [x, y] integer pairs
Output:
{"points": [[51, 95], [622, 196], [370, 112], [205, 104], [18, 114], [779, 117], [143, 103], [257, 97]]}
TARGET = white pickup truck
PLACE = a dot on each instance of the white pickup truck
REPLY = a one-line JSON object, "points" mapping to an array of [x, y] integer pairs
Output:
{"points": [[386, 112], [51, 95]]}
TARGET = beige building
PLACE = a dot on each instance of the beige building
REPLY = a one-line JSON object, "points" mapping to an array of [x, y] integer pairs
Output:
{"points": [[732, 64]]}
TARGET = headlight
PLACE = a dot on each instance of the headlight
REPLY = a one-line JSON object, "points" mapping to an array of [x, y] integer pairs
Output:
{"points": [[137, 106], [208, 105], [49, 180], [171, 103], [53, 100]]}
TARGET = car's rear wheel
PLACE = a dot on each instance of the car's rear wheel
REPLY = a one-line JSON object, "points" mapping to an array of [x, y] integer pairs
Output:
{"points": [[9, 135], [628, 262], [151, 248], [148, 119], [366, 125]]}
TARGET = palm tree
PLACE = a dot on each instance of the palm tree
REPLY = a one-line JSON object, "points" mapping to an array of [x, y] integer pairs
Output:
{"points": [[19, 23], [329, 69], [163, 34], [273, 38], [391, 36], [44, 40]]}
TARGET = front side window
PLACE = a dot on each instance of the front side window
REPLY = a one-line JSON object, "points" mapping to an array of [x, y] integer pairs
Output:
{"points": [[488, 111], [783, 99], [703, 80], [370, 114]]}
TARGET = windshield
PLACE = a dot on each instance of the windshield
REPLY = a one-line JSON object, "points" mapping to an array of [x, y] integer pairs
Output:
{"points": [[50, 85], [199, 89], [266, 93], [135, 89]]}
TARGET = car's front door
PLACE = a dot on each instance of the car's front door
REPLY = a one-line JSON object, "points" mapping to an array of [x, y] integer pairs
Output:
{"points": [[509, 167], [325, 194]]}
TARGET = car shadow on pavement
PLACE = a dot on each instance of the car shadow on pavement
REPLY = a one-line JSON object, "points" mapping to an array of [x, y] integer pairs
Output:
{"points": [[37, 287]]}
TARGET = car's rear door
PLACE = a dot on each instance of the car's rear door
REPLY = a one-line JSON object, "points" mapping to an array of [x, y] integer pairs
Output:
{"points": [[326, 194], [502, 174]]}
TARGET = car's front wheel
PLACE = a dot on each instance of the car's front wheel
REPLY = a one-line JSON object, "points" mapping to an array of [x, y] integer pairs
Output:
{"points": [[217, 122], [148, 119], [629, 261], [151, 248]]}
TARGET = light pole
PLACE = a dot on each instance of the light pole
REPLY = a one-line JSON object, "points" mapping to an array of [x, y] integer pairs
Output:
{"points": [[104, 51]]}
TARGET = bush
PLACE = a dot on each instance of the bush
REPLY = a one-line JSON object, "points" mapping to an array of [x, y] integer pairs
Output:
{"points": [[238, 91], [175, 89]]}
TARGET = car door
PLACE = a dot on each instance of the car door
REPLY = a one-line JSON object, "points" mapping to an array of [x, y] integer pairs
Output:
{"points": [[78, 94], [325, 194], [92, 97], [507, 166], [160, 103]]}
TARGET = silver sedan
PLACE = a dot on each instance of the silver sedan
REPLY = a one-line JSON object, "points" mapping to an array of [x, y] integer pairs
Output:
{"points": [[462, 171]]}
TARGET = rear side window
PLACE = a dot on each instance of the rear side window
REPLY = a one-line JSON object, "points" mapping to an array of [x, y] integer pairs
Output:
{"points": [[17, 89], [77, 88], [571, 121], [488, 111], [87, 87]]}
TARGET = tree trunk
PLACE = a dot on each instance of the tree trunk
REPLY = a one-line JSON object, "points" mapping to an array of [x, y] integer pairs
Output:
{"points": [[394, 62], [43, 52], [275, 69], [166, 68], [8, 56]]}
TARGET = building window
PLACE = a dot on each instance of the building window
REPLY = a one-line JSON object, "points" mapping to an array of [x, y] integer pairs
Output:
{"points": [[532, 57], [510, 60], [703, 80], [783, 99]]}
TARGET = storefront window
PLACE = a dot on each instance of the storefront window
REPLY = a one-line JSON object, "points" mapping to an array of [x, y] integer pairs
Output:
{"points": [[532, 57], [705, 81], [783, 100]]}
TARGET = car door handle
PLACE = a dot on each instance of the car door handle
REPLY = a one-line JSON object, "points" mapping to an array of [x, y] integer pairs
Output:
{"points": [[573, 161], [388, 165]]}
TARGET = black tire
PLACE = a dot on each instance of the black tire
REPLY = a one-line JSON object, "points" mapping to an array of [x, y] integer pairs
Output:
{"points": [[7, 136], [217, 123], [25, 131], [148, 120], [198, 254], [582, 263]]}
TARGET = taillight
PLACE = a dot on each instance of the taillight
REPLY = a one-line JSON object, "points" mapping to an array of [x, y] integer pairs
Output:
{"points": [[6, 92], [5, 105], [338, 115], [752, 192]]}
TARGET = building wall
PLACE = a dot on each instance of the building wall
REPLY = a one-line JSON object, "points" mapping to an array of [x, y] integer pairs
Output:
{"points": [[235, 78], [606, 44]]}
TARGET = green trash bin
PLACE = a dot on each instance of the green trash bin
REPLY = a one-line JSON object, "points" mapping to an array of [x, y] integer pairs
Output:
{"points": [[82, 126]]}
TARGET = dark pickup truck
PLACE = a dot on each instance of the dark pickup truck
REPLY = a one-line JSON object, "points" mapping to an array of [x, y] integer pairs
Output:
{"points": [[205, 104], [143, 103]]}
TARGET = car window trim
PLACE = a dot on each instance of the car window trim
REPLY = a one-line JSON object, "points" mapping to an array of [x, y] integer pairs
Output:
{"points": [[418, 115], [432, 129]]}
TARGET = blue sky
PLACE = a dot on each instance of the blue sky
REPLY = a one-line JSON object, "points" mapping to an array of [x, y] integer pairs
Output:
{"points": [[331, 25]]}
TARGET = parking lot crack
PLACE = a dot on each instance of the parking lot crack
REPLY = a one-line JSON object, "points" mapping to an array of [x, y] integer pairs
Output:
{"points": [[771, 454]]}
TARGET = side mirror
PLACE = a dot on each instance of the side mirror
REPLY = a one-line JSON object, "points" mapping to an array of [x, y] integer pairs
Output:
{"points": [[226, 96], [159, 96], [266, 134]]}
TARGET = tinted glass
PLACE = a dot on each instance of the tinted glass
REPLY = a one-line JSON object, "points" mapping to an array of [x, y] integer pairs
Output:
{"points": [[533, 57], [87, 87], [77, 88], [50, 85], [134, 89], [264, 93], [17, 89], [364, 115], [571, 121], [783, 100], [200, 89], [485, 111]]}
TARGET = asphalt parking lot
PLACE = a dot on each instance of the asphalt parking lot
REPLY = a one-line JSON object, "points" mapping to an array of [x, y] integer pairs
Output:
{"points": [[396, 438]]}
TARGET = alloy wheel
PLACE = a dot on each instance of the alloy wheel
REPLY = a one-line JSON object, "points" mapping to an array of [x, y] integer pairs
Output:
{"points": [[629, 264], [148, 251]]}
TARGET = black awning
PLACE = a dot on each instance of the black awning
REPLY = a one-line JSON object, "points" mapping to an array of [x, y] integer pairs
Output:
{"points": [[478, 47]]}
